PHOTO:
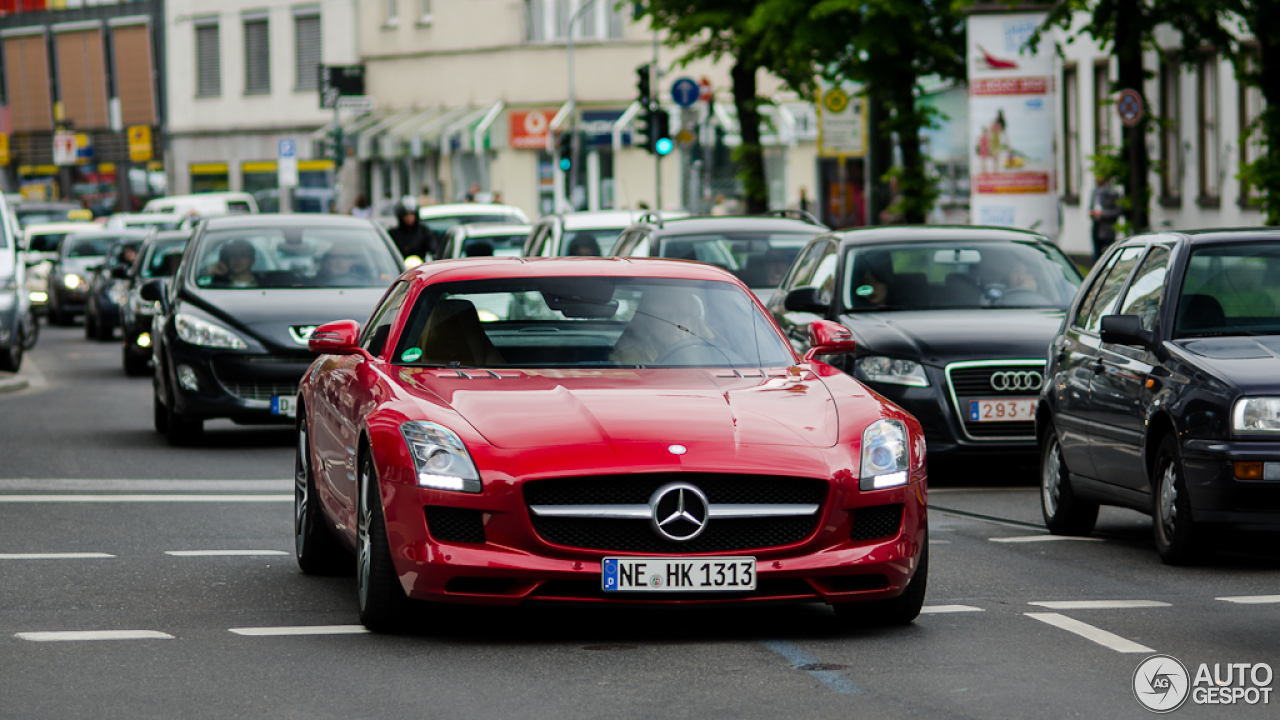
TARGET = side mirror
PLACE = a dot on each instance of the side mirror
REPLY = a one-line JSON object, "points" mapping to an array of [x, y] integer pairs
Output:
{"points": [[828, 338], [152, 290], [340, 337], [805, 299], [1126, 330], [120, 272]]}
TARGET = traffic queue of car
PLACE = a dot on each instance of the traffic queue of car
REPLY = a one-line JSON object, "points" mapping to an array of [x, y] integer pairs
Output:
{"points": [[656, 409]]}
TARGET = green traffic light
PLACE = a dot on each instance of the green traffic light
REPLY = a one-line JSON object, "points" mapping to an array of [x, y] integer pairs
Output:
{"points": [[564, 164], [664, 146]]}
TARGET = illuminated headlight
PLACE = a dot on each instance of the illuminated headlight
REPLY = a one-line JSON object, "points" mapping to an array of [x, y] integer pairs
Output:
{"points": [[884, 455], [440, 457], [39, 297], [202, 332], [1256, 416], [144, 340], [72, 281], [892, 371]]}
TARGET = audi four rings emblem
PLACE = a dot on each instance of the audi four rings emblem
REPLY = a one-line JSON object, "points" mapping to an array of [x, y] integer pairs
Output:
{"points": [[1017, 380], [678, 511]]}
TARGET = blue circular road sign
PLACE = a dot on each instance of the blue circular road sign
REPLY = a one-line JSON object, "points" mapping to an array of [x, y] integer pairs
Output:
{"points": [[685, 92]]}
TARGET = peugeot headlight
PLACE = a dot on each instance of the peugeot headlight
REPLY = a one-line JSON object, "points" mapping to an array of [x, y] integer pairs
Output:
{"points": [[1256, 416], [72, 281], [884, 455], [891, 370], [440, 457], [202, 332]]}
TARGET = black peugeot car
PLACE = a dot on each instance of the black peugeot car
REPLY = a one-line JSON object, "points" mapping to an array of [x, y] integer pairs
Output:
{"points": [[108, 288], [230, 338], [158, 257], [950, 323], [1163, 392]]}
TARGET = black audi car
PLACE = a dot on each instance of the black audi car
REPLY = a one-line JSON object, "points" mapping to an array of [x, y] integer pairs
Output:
{"points": [[230, 336], [950, 323], [158, 257], [1163, 392], [758, 249]]}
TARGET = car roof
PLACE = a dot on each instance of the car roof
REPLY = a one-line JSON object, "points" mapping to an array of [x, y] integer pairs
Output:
{"points": [[122, 233], [472, 229], [170, 235], [151, 217], [59, 227], [705, 223], [222, 222], [514, 267], [1206, 236], [927, 233], [451, 209], [608, 219]]}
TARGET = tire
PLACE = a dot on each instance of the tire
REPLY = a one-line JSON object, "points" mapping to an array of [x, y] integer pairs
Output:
{"points": [[135, 365], [30, 330], [54, 315], [11, 358], [1064, 513], [160, 414], [893, 612], [103, 331], [90, 325], [317, 551], [1179, 540], [181, 430], [383, 604]]}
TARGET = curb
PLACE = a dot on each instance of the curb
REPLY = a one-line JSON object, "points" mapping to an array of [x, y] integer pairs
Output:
{"points": [[11, 384]]}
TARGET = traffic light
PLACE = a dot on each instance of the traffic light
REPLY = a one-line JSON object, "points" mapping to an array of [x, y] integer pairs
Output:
{"points": [[565, 150], [662, 144], [642, 85]]}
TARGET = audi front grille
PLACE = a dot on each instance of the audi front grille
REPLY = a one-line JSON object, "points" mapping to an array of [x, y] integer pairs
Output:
{"points": [[992, 380]]}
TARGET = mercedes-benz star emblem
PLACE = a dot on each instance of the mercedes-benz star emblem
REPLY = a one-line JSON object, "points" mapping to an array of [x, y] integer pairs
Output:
{"points": [[678, 511], [1017, 380]]}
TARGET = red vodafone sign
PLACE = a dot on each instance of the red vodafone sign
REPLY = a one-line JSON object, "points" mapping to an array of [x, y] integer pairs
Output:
{"points": [[529, 128]]}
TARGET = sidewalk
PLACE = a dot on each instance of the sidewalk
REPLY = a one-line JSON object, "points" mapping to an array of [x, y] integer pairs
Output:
{"points": [[10, 383]]}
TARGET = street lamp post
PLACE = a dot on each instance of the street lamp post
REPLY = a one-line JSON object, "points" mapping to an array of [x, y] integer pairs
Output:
{"points": [[574, 140]]}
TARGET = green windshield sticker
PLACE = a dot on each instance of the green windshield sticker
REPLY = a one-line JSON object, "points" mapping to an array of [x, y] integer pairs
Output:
{"points": [[864, 291], [203, 280], [411, 355]]}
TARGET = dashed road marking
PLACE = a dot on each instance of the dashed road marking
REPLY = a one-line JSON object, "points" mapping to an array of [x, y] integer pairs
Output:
{"points": [[1085, 630], [1098, 604], [222, 553], [939, 609], [1042, 538], [54, 556], [302, 630], [144, 498], [1251, 599], [801, 660], [70, 636]]}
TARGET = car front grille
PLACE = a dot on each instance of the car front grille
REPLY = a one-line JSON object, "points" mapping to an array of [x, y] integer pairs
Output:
{"points": [[973, 381], [260, 377], [638, 536], [260, 390]]}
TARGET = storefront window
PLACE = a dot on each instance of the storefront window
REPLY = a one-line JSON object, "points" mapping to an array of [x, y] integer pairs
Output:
{"points": [[210, 177]]}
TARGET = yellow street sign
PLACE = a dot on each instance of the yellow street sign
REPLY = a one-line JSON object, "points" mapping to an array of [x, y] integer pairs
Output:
{"points": [[139, 143]]}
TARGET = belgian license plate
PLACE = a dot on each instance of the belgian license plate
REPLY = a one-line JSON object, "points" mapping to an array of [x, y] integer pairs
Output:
{"points": [[1002, 410], [284, 405], [704, 574]]}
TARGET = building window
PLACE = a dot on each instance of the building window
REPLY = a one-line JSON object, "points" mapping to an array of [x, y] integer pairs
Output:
{"points": [[1071, 134], [208, 59], [306, 30], [210, 177], [1102, 105], [1207, 116], [549, 20], [424, 12], [1170, 131], [392, 8], [1251, 148], [257, 56]]}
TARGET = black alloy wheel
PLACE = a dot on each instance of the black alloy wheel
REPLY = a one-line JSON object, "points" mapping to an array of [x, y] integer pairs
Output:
{"points": [[1179, 540], [317, 551], [898, 611], [1064, 513], [383, 604]]}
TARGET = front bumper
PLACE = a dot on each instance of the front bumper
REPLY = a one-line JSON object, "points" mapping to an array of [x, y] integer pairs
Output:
{"points": [[1217, 497], [230, 383]]}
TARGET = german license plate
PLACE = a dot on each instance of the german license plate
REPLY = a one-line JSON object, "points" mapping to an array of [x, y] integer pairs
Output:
{"points": [[704, 574], [1002, 410], [284, 405]]}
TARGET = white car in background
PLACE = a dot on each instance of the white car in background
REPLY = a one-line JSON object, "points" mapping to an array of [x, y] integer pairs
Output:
{"points": [[146, 221], [484, 239], [41, 242]]}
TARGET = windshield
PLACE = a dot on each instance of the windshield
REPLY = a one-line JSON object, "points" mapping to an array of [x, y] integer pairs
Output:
{"points": [[35, 216], [591, 322], [162, 258], [295, 257], [760, 260], [500, 245], [1231, 290], [441, 225], [47, 242], [950, 275], [90, 245], [589, 243]]}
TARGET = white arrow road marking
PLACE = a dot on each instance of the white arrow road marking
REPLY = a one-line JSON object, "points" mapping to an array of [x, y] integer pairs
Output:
{"points": [[94, 635], [1089, 632], [302, 630]]}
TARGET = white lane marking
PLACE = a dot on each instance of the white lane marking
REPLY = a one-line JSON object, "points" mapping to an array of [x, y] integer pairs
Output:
{"points": [[1089, 632], [84, 485], [94, 635], [936, 609], [143, 498], [53, 556], [1251, 599], [222, 553], [302, 630], [1097, 604], [1043, 538]]}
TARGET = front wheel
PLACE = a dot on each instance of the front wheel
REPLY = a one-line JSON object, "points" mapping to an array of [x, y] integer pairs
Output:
{"points": [[383, 603], [901, 610], [30, 330], [1064, 513], [11, 358], [1179, 540], [315, 548]]}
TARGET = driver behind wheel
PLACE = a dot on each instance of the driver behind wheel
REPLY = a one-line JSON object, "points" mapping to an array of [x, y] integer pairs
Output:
{"points": [[667, 317]]}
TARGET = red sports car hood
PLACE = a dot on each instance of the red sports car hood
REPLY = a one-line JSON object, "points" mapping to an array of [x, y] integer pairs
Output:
{"points": [[540, 408]]}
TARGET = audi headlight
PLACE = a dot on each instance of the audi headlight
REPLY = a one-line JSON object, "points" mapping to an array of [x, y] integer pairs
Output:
{"points": [[884, 455], [202, 332], [440, 457], [72, 281], [1256, 416], [893, 371]]}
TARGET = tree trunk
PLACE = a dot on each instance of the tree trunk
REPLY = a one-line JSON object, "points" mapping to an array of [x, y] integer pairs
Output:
{"points": [[1128, 50], [750, 153], [1264, 29]]}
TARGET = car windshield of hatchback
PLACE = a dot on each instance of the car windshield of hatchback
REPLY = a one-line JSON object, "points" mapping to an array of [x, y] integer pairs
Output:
{"points": [[441, 225], [499, 245], [596, 242], [958, 275], [1230, 290], [294, 257], [589, 322], [90, 245], [760, 260], [46, 242]]}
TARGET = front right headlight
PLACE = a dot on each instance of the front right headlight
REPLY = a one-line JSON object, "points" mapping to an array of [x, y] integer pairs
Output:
{"points": [[885, 459], [440, 458], [202, 332], [1256, 416]]}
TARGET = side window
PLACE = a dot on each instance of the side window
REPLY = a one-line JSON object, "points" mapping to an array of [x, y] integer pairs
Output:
{"points": [[1143, 298], [804, 267], [375, 333], [824, 276], [1109, 289]]}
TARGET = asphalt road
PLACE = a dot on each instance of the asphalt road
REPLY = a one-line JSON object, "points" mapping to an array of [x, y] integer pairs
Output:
{"points": [[142, 581]]}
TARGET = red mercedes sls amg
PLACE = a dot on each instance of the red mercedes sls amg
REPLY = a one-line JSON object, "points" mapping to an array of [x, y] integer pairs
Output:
{"points": [[586, 430]]}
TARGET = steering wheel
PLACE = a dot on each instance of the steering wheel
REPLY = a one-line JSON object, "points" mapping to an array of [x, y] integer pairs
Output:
{"points": [[680, 347]]}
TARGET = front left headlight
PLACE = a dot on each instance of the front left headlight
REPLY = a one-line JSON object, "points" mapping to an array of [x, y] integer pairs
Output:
{"points": [[1256, 416], [893, 371], [202, 332], [72, 281], [440, 458], [884, 456]]}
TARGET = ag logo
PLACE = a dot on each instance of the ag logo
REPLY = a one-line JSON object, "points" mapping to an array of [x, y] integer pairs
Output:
{"points": [[1161, 683]]}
